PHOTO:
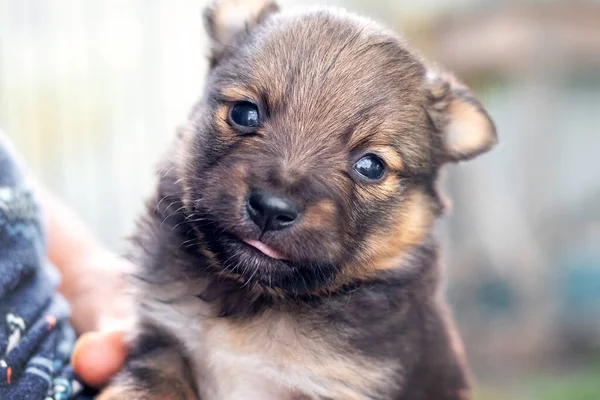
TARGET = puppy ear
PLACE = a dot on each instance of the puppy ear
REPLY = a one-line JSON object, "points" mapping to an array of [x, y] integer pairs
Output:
{"points": [[227, 19], [466, 128]]}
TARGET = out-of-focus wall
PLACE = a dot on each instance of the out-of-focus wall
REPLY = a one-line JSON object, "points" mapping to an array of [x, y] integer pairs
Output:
{"points": [[91, 91]]}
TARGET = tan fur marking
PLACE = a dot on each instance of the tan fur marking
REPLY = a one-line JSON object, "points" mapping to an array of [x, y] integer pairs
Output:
{"points": [[232, 16], [385, 249], [320, 215], [469, 131], [221, 121], [382, 190], [389, 156], [281, 342], [414, 221], [238, 93], [389, 186], [239, 187], [119, 392]]}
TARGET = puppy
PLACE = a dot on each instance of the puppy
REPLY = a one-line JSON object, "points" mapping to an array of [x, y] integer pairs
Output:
{"points": [[289, 252]]}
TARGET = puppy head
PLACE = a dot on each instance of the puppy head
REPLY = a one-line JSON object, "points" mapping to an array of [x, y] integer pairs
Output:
{"points": [[314, 151]]}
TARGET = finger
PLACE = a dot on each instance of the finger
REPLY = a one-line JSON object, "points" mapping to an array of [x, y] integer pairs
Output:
{"points": [[98, 356]]}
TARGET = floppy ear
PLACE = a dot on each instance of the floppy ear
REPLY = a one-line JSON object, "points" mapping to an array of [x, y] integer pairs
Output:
{"points": [[465, 127], [225, 20]]}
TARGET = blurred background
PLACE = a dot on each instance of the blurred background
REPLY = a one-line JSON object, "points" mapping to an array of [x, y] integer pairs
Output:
{"points": [[92, 90]]}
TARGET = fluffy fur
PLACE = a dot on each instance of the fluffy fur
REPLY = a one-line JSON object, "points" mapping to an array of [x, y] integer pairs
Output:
{"points": [[353, 312]]}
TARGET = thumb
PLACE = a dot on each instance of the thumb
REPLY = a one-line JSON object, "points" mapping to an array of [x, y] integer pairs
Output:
{"points": [[98, 356]]}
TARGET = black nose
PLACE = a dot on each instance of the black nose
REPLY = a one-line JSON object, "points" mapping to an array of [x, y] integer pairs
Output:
{"points": [[269, 212]]}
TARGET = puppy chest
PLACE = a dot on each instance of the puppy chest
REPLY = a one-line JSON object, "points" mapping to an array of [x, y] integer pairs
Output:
{"points": [[276, 360]]}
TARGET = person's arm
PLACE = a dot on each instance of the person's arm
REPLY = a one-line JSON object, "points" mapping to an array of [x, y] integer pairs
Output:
{"points": [[74, 250], [91, 283], [91, 274], [91, 278]]}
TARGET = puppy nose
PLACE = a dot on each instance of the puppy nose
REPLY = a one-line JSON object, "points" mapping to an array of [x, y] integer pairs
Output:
{"points": [[269, 212]]}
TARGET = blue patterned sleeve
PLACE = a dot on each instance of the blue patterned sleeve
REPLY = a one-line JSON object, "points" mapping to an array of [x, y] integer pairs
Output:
{"points": [[35, 336]]}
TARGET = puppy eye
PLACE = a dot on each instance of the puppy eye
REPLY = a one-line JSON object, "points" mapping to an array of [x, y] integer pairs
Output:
{"points": [[244, 115], [370, 166]]}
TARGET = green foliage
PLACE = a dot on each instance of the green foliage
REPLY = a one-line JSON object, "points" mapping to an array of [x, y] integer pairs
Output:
{"points": [[582, 385]]}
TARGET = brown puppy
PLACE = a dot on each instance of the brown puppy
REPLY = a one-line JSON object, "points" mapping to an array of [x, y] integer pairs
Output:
{"points": [[288, 253]]}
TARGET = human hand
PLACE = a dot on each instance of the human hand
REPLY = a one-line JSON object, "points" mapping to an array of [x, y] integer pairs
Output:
{"points": [[101, 310], [94, 284], [97, 292], [98, 356]]}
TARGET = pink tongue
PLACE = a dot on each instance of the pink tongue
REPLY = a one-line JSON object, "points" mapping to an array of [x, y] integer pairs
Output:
{"points": [[264, 249]]}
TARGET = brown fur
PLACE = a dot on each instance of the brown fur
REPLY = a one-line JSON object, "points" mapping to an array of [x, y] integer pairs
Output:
{"points": [[353, 312]]}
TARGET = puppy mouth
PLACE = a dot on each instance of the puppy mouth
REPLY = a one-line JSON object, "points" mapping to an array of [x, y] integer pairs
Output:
{"points": [[260, 263], [265, 249]]}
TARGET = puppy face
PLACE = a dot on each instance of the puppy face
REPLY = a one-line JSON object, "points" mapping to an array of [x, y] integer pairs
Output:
{"points": [[312, 157]]}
